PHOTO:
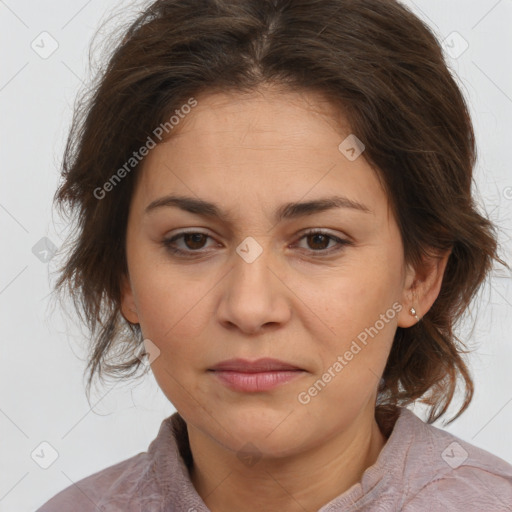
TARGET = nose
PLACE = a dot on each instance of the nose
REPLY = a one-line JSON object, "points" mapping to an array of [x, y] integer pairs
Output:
{"points": [[254, 295]]}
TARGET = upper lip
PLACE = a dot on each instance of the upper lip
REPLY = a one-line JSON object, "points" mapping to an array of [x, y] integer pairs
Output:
{"points": [[259, 365]]}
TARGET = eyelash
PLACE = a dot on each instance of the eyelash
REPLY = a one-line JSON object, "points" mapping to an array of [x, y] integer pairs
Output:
{"points": [[167, 243]]}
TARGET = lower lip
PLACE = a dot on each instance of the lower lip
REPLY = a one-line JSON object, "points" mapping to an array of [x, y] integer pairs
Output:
{"points": [[253, 382]]}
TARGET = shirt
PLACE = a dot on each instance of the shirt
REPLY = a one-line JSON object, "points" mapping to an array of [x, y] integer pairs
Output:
{"points": [[421, 468]]}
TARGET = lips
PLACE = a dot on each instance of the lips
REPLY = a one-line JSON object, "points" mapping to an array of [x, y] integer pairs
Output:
{"points": [[262, 375], [257, 366], [243, 382]]}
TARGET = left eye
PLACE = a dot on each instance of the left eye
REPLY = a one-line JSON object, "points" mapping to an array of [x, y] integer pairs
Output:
{"points": [[318, 242]]}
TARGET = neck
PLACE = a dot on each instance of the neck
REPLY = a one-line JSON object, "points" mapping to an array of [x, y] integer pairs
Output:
{"points": [[305, 481]]}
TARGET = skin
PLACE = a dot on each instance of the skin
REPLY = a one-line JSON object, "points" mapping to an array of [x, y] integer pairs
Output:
{"points": [[250, 154]]}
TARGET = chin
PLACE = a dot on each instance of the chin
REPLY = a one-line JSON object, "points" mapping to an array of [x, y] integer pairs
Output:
{"points": [[272, 436]]}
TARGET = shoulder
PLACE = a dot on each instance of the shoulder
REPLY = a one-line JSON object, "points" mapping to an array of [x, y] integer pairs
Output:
{"points": [[447, 473], [468, 488], [89, 493], [149, 481]]}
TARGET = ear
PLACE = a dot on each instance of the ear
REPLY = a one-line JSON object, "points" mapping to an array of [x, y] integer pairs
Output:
{"points": [[422, 287], [128, 307]]}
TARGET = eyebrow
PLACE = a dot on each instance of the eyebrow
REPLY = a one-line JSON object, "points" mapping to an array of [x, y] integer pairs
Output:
{"points": [[286, 211]]}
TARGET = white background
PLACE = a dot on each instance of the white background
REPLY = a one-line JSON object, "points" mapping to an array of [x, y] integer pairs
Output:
{"points": [[42, 360]]}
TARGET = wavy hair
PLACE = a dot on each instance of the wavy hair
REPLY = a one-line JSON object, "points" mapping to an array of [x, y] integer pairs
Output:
{"points": [[379, 64]]}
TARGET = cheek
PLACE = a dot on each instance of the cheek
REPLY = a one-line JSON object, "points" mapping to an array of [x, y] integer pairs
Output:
{"points": [[354, 356], [356, 313], [352, 298], [173, 316], [169, 297], [172, 309]]}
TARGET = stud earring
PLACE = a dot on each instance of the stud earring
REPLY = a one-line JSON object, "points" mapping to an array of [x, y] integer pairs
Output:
{"points": [[414, 314]]}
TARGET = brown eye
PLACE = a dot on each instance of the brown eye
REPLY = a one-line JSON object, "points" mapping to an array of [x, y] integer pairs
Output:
{"points": [[194, 240], [318, 241], [190, 242]]}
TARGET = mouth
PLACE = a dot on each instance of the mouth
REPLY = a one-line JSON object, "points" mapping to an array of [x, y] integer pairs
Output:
{"points": [[257, 366], [256, 376]]}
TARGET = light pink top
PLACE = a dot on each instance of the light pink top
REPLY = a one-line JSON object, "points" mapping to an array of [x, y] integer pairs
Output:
{"points": [[421, 468]]}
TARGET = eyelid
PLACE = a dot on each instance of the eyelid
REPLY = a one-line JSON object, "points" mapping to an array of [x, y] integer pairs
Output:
{"points": [[193, 231], [341, 242]]}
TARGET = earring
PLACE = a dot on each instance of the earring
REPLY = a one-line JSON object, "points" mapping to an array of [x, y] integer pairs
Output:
{"points": [[414, 314]]}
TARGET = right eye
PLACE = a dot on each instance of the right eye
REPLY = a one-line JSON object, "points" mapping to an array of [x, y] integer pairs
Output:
{"points": [[193, 240]]}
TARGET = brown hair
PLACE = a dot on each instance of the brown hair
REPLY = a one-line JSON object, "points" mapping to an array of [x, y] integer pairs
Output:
{"points": [[379, 64]]}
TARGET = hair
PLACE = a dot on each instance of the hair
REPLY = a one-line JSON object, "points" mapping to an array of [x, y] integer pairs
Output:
{"points": [[379, 64]]}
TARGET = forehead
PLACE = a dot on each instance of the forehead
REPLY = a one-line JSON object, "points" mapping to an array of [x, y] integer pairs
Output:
{"points": [[260, 115], [268, 146]]}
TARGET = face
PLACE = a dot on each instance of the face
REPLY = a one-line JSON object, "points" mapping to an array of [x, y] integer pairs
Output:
{"points": [[251, 283]]}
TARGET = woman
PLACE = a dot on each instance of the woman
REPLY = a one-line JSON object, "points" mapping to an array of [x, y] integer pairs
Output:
{"points": [[274, 202]]}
